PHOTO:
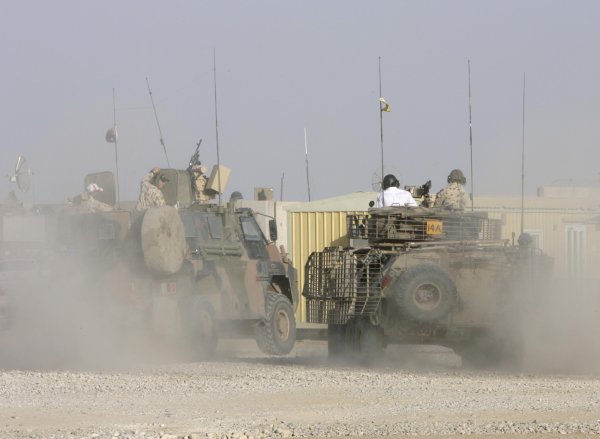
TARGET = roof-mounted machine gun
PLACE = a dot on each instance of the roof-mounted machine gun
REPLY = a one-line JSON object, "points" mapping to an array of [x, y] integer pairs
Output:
{"points": [[205, 187], [197, 173], [421, 193]]}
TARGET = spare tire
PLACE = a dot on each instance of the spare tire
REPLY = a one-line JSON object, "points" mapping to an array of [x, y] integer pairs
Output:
{"points": [[425, 292], [163, 240]]}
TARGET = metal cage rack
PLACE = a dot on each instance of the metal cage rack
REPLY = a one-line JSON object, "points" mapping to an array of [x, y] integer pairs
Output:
{"points": [[401, 225], [342, 284]]}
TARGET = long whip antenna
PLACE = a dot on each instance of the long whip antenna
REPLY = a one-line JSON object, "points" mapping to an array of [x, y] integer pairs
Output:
{"points": [[523, 163], [470, 133], [306, 161], [162, 141], [217, 124], [116, 155], [381, 133]]}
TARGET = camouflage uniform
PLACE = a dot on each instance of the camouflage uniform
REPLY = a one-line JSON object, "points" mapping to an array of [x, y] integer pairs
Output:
{"points": [[199, 182], [452, 197], [150, 195]]}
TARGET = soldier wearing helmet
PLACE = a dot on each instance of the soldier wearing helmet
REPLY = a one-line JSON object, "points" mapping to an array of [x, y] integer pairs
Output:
{"points": [[87, 201], [453, 196], [392, 195], [151, 194]]}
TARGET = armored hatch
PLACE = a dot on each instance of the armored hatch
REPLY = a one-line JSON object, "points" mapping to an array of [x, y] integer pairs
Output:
{"points": [[178, 190]]}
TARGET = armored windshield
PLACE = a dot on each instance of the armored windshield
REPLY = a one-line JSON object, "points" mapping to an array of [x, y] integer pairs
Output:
{"points": [[254, 239], [251, 230]]}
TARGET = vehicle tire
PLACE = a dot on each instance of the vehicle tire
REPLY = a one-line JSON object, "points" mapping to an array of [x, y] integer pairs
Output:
{"points": [[278, 333], [425, 292], [368, 341], [200, 326], [336, 341]]}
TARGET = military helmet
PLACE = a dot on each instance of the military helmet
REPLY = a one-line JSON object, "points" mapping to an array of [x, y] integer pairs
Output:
{"points": [[389, 181], [456, 176], [235, 195], [525, 240]]}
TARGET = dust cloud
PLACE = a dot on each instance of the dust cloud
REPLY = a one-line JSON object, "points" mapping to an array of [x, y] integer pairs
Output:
{"points": [[547, 323], [560, 329], [68, 313], [65, 312], [67, 322]]}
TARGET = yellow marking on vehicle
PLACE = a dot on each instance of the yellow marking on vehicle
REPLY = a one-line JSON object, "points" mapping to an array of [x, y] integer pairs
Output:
{"points": [[435, 227]]}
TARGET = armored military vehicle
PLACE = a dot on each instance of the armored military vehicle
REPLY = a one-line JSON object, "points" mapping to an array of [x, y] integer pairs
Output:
{"points": [[422, 276], [224, 278], [193, 270]]}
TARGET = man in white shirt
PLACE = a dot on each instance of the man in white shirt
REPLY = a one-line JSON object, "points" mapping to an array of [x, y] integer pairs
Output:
{"points": [[392, 195]]}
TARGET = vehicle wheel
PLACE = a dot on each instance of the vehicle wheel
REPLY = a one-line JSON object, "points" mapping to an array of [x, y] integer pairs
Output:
{"points": [[368, 341], [336, 340], [425, 292], [200, 326], [278, 333]]}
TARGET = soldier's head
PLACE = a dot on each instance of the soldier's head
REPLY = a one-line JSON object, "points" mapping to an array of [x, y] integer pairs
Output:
{"points": [[93, 189], [456, 176], [525, 240], [390, 180], [160, 181], [236, 195]]}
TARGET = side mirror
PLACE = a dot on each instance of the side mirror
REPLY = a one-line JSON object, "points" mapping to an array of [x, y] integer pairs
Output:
{"points": [[273, 230]]}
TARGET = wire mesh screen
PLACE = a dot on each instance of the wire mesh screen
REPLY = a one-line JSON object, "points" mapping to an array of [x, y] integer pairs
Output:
{"points": [[397, 226], [341, 284]]}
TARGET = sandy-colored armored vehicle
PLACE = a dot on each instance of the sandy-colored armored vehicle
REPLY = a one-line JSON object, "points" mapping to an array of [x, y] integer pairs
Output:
{"points": [[190, 270], [423, 276], [225, 279]]}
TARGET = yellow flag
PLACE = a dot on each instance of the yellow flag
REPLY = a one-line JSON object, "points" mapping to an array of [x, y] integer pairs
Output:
{"points": [[384, 106]]}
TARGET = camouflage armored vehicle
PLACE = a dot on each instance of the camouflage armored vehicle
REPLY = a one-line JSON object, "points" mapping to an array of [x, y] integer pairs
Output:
{"points": [[197, 271], [422, 276], [225, 277]]}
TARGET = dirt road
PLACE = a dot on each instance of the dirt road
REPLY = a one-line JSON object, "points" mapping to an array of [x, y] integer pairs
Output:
{"points": [[243, 394]]}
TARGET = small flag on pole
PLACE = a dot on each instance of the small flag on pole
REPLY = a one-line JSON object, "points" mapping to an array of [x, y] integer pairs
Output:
{"points": [[111, 135], [384, 106]]}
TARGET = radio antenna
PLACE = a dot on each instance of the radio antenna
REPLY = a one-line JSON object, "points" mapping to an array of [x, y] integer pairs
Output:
{"points": [[217, 124], [306, 160], [281, 187], [470, 133], [523, 163], [162, 141], [381, 132], [115, 142]]}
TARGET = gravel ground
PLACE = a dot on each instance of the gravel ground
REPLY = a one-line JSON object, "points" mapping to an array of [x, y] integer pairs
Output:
{"points": [[243, 394]]}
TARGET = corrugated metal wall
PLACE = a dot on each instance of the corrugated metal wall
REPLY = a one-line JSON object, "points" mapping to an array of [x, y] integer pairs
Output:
{"points": [[313, 231]]}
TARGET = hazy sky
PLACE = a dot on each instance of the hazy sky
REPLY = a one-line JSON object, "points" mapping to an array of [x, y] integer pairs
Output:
{"points": [[283, 66]]}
